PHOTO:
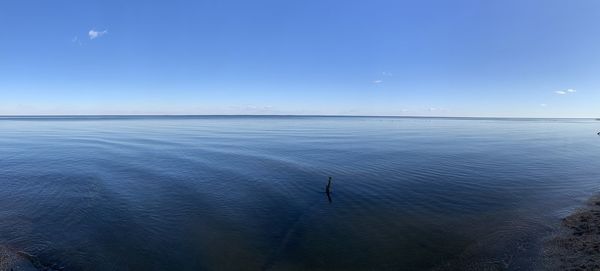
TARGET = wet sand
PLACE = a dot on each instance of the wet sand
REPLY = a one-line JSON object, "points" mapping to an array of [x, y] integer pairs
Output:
{"points": [[577, 247]]}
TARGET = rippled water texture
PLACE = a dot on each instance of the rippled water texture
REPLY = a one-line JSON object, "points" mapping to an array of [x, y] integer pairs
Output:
{"points": [[246, 193]]}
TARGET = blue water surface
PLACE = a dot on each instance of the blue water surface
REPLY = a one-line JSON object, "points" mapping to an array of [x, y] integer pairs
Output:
{"points": [[246, 192]]}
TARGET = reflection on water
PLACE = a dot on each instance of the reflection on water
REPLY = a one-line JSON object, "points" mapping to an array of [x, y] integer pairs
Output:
{"points": [[246, 193]]}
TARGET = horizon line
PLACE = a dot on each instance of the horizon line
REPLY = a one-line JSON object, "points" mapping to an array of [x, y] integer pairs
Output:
{"points": [[278, 115]]}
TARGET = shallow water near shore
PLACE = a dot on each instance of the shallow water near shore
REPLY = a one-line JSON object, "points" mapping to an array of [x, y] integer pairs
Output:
{"points": [[246, 193]]}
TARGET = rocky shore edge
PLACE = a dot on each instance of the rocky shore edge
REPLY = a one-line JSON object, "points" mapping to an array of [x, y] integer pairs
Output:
{"points": [[577, 246], [15, 261]]}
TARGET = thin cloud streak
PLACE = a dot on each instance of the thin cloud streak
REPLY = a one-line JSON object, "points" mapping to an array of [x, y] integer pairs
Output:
{"points": [[93, 34], [564, 92]]}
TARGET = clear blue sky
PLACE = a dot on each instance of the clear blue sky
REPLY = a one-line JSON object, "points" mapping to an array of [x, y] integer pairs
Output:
{"points": [[530, 58]]}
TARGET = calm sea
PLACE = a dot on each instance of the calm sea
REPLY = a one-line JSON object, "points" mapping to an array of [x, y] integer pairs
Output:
{"points": [[246, 193]]}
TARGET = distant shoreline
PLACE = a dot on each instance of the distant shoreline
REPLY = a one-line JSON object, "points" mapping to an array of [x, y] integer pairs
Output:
{"points": [[119, 116]]}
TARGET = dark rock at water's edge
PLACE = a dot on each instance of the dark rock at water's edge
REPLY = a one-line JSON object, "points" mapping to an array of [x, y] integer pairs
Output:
{"points": [[14, 261], [578, 246]]}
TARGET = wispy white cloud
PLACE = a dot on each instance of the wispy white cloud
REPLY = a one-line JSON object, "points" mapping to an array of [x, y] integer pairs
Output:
{"points": [[93, 34], [383, 74], [252, 109], [564, 92], [543, 105], [76, 40]]}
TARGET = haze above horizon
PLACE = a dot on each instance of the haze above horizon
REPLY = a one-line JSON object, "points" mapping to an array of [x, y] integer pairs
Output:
{"points": [[464, 58]]}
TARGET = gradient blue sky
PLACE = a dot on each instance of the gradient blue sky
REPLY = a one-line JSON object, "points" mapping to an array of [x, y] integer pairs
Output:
{"points": [[376, 57]]}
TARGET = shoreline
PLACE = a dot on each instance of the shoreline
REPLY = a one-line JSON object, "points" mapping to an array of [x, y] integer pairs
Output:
{"points": [[16, 260], [192, 116], [577, 245]]}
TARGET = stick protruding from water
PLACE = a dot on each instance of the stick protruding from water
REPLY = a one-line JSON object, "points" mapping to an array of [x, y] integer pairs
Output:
{"points": [[328, 187]]}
